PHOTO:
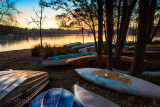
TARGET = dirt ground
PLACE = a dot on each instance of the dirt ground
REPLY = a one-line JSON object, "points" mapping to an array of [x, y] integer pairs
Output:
{"points": [[66, 77]]}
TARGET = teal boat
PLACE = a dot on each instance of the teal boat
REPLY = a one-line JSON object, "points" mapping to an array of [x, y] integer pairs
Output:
{"points": [[61, 59]]}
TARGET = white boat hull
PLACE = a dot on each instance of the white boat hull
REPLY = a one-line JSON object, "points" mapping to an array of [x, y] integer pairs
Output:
{"points": [[90, 99], [54, 62], [136, 87]]}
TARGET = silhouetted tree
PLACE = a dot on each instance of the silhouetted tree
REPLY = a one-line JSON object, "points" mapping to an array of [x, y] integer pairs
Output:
{"points": [[76, 13], [109, 23], [118, 16], [122, 36], [100, 33], [144, 10], [38, 20], [151, 13], [8, 12]]}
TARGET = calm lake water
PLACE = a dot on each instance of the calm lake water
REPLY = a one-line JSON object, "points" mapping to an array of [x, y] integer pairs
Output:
{"points": [[8, 43]]}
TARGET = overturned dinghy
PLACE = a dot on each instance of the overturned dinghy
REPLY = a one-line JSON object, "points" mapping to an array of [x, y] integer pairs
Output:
{"points": [[56, 97], [90, 99], [17, 87]]}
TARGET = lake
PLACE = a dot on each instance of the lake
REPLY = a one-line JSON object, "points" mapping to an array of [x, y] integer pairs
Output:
{"points": [[8, 43]]}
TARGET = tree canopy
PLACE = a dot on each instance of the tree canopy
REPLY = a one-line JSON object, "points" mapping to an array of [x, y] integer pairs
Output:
{"points": [[8, 12]]}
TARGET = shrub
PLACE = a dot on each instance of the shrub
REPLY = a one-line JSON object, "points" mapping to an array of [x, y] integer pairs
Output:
{"points": [[48, 50], [37, 51]]}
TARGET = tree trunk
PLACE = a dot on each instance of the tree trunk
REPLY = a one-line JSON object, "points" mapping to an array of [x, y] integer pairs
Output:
{"points": [[93, 25], [123, 35], [138, 62], [109, 23], [122, 23], [94, 34], [151, 13], [100, 32], [105, 31], [118, 9], [40, 27]]}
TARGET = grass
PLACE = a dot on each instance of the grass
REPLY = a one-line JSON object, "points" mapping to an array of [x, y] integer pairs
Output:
{"points": [[34, 68], [52, 77], [48, 50]]}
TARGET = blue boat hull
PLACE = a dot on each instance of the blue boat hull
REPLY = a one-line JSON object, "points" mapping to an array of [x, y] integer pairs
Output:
{"points": [[56, 97]]}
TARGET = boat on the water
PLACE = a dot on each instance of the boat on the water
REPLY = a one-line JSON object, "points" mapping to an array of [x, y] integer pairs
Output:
{"points": [[61, 59], [90, 99], [17, 87], [56, 97], [73, 44], [120, 82]]}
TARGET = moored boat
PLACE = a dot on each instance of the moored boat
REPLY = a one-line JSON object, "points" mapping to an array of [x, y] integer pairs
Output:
{"points": [[17, 87]]}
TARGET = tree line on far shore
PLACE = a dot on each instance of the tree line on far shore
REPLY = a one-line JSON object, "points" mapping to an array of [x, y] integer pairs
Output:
{"points": [[5, 30]]}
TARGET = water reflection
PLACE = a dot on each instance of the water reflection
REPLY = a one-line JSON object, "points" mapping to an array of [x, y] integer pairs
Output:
{"points": [[8, 43]]}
